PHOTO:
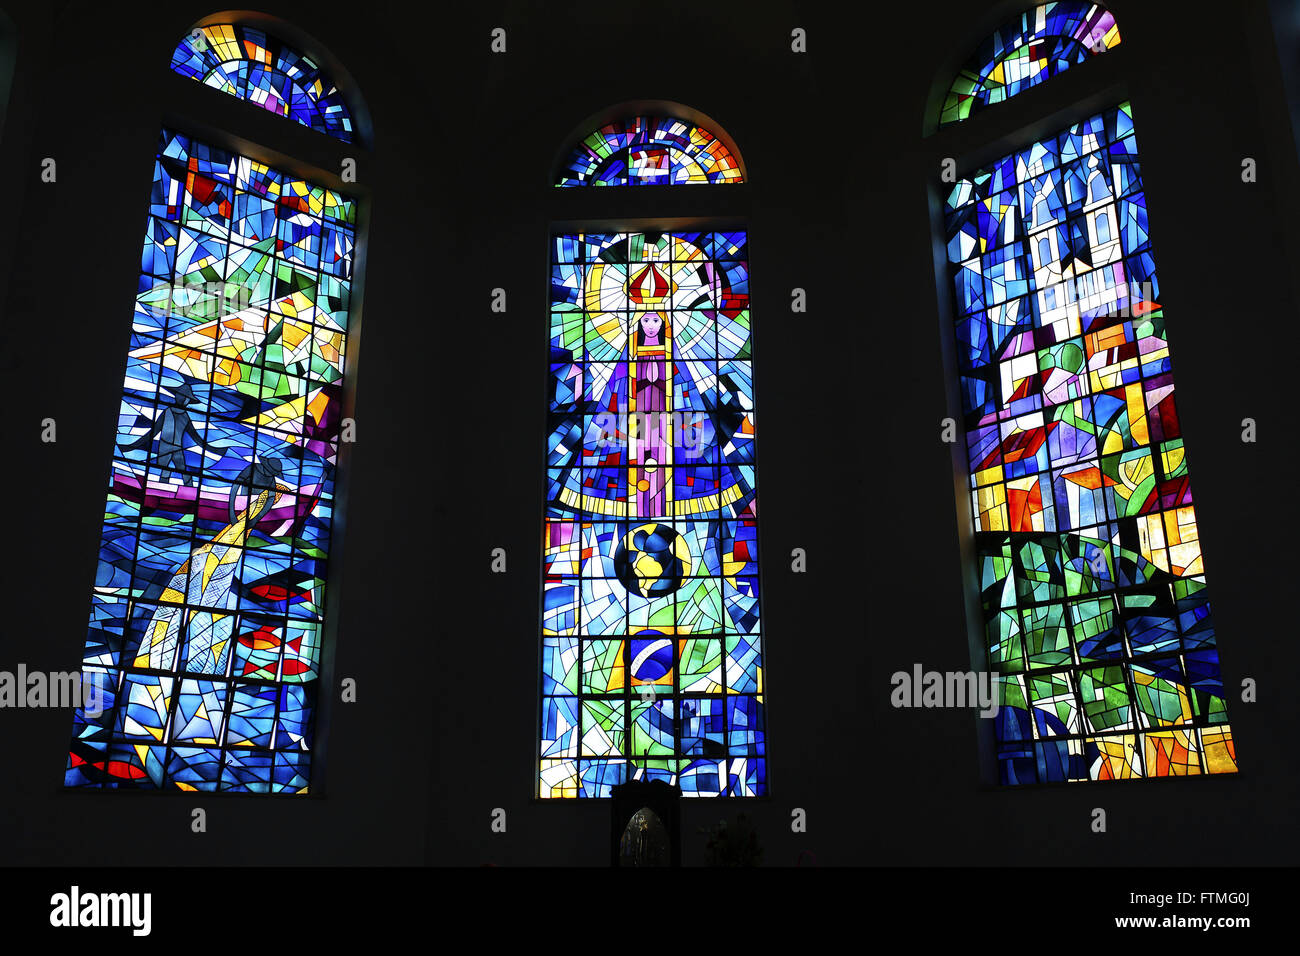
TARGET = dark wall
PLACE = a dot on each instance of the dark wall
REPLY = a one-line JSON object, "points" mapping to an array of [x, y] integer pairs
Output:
{"points": [[449, 419], [1285, 17]]}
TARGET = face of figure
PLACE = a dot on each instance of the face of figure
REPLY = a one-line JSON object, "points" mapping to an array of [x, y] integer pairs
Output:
{"points": [[651, 324]]}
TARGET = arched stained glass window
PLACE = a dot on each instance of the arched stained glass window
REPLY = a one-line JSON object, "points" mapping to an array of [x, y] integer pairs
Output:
{"points": [[244, 62], [1026, 50], [1095, 614], [650, 151], [651, 638], [208, 610]]}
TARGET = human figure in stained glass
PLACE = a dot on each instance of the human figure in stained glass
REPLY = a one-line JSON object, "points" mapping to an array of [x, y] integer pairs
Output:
{"points": [[256, 475], [650, 363], [172, 427]]}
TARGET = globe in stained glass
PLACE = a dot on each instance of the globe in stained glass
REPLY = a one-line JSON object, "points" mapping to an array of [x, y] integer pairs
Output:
{"points": [[652, 655], [651, 560], [650, 539]]}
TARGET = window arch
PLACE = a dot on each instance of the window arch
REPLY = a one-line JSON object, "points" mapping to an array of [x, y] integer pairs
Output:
{"points": [[647, 151], [651, 657], [245, 62], [209, 605], [1025, 51], [1091, 609]]}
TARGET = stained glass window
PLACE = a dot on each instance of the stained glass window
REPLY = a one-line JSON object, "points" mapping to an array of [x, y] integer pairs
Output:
{"points": [[1096, 614], [648, 151], [651, 651], [245, 62], [1026, 50], [208, 607]]}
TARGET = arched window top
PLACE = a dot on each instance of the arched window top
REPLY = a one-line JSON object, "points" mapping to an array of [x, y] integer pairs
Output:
{"points": [[245, 62], [647, 151], [1026, 50]]}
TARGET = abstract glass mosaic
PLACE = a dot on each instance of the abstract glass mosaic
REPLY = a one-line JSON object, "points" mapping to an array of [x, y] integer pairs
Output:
{"points": [[649, 151], [252, 66], [1026, 50], [1096, 614], [208, 608], [651, 650]]}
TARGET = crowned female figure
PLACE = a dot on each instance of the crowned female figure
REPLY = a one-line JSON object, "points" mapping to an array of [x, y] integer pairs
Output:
{"points": [[650, 394]]}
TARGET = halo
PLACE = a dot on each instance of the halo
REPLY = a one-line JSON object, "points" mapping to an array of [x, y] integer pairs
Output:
{"points": [[667, 279]]}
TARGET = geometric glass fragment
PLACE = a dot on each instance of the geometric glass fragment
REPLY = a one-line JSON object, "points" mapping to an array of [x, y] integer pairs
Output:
{"points": [[247, 63], [649, 150], [1025, 51]]}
